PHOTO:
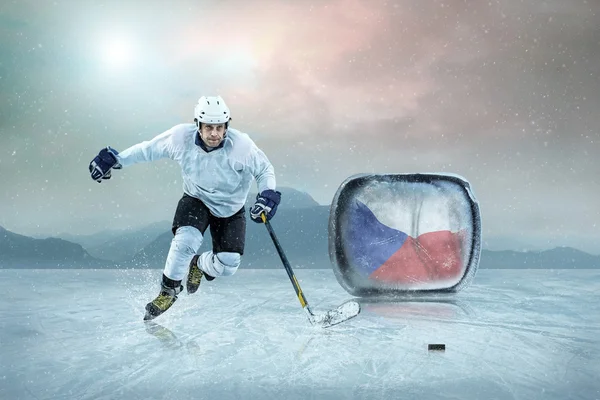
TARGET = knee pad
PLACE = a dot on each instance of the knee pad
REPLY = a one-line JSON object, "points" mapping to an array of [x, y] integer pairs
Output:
{"points": [[219, 264], [187, 240], [184, 246], [230, 262]]}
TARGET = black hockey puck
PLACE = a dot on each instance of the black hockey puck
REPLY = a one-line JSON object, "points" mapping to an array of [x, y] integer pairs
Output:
{"points": [[436, 347]]}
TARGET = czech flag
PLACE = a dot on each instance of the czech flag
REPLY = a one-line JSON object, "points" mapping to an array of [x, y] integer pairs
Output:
{"points": [[390, 255]]}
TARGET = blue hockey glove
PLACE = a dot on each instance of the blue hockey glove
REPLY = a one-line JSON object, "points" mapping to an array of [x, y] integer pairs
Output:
{"points": [[101, 165], [267, 202]]}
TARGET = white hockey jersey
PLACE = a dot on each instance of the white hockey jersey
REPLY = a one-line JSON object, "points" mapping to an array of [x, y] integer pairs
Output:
{"points": [[220, 178]]}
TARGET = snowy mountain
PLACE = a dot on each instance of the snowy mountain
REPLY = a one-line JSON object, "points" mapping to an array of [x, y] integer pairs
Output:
{"points": [[123, 245], [111, 248], [126, 245], [557, 258], [302, 232], [301, 225], [92, 240], [290, 199], [18, 251], [119, 244]]}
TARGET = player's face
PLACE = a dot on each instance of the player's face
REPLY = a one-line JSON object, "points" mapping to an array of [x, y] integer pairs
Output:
{"points": [[212, 134]]}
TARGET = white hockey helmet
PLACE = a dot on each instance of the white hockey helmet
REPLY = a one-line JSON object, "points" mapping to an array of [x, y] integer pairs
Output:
{"points": [[211, 110]]}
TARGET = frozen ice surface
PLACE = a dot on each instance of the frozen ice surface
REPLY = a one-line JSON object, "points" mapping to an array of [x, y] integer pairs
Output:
{"points": [[513, 334]]}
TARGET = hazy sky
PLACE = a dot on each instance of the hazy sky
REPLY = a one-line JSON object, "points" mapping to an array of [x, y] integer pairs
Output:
{"points": [[505, 93]]}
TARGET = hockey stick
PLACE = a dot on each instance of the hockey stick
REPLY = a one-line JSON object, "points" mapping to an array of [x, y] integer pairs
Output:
{"points": [[343, 313]]}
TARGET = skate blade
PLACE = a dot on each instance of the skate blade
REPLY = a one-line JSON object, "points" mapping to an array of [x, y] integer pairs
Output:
{"points": [[149, 317]]}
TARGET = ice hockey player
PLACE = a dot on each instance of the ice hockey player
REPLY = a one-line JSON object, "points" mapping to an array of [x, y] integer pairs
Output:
{"points": [[218, 164]]}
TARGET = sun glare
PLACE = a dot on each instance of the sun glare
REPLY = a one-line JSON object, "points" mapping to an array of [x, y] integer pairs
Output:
{"points": [[117, 53]]}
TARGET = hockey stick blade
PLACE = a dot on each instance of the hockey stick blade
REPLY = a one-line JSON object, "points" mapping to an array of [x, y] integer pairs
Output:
{"points": [[343, 313], [333, 317]]}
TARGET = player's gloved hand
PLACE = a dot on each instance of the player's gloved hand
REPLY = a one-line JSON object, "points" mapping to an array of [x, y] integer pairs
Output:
{"points": [[101, 166], [266, 202]]}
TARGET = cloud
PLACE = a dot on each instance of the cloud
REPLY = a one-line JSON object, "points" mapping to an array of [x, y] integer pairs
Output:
{"points": [[504, 93]]}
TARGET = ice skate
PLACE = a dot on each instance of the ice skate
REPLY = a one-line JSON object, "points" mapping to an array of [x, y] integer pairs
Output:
{"points": [[194, 276], [162, 303]]}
